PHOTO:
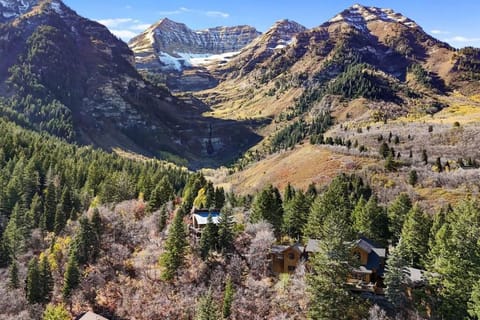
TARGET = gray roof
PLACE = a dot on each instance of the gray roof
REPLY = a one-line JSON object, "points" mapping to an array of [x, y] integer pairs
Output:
{"points": [[313, 245], [92, 316], [277, 249], [369, 247], [202, 218]]}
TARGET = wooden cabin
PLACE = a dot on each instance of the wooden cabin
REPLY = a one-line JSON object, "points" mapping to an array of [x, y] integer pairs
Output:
{"points": [[367, 275], [285, 259]]}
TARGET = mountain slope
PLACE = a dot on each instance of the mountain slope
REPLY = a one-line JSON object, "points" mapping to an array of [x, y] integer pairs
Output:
{"points": [[70, 76]]}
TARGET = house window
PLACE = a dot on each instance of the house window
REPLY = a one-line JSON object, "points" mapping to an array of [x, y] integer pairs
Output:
{"points": [[291, 268], [291, 256]]}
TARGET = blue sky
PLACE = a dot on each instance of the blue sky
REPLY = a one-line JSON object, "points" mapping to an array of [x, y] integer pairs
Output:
{"points": [[456, 22]]}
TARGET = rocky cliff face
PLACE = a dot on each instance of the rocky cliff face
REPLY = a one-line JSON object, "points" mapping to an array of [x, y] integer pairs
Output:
{"points": [[11, 9], [168, 45]]}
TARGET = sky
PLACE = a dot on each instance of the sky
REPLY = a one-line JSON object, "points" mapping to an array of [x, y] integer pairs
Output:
{"points": [[456, 22]]}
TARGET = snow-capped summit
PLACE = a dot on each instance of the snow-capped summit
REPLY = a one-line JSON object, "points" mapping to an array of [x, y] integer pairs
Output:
{"points": [[359, 16], [10, 9]]}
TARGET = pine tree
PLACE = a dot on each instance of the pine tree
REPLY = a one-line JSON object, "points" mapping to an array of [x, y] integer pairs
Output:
{"points": [[71, 277], [209, 196], [474, 302], [328, 298], [412, 177], [288, 194], [175, 248], [219, 198], [456, 262], [60, 220], [415, 237], [296, 215], [209, 238], [424, 156], [397, 212], [207, 310], [162, 219], [228, 299], [268, 206], [50, 208], [225, 229], [13, 275], [36, 210], [16, 232], [395, 277], [97, 224], [33, 289], [46, 279]]}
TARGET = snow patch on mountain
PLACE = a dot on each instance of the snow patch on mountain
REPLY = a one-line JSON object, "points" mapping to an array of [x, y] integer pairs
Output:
{"points": [[359, 16], [183, 60]]}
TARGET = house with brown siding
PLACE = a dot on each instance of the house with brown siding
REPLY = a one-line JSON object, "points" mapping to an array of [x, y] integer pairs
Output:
{"points": [[285, 259]]}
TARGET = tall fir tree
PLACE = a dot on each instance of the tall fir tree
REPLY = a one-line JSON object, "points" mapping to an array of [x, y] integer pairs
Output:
{"points": [[370, 220], [50, 207], [219, 198], [209, 238], [225, 229], [296, 215], [46, 277], [268, 206], [175, 248], [395, 278], [228, 298], [415, 237], [14, 282], [71, 277], [33, 286], [397, 212]]}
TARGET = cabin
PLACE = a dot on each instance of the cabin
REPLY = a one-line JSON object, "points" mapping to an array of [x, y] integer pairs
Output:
{"points": [[367, 275], [90, 316], [199, 218], [285, 259]]}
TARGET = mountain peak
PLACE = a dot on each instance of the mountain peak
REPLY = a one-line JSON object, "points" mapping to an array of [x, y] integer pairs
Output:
{"points": [[358, 16], [13, 8]]}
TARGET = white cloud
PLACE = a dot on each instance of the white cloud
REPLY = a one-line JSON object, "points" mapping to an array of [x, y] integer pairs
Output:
{"points": [[208, 13], [436, 31], [124, 28], [217, 14], [140, 27], [462, 39], [124, 34], [112, 23]]}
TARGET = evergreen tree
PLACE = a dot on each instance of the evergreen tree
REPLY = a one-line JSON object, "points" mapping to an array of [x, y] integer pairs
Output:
{"points": [[5, 256], [60, 220], [288, 194], [384, 150], [412, 177], [415, 237], [36, 210], [456, 263], [50, 208], [329, 298], [370, 220], [311, 191], [438, 164], [85, 244], [209, 196], [228, 299], [207, 310], [97, 224], [209, 238], [219, 198], [71, 277], [33, 289], [474, 302], [13, 275], [268, 206], [162, 219], [225, 229], [46, 279], [296, 215], [16, 231], [395, 278], [424, 156], [397, 212], [175, 248]]}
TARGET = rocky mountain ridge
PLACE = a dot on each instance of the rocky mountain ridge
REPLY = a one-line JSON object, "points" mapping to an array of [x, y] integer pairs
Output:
{"points": [[172, 46]]}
